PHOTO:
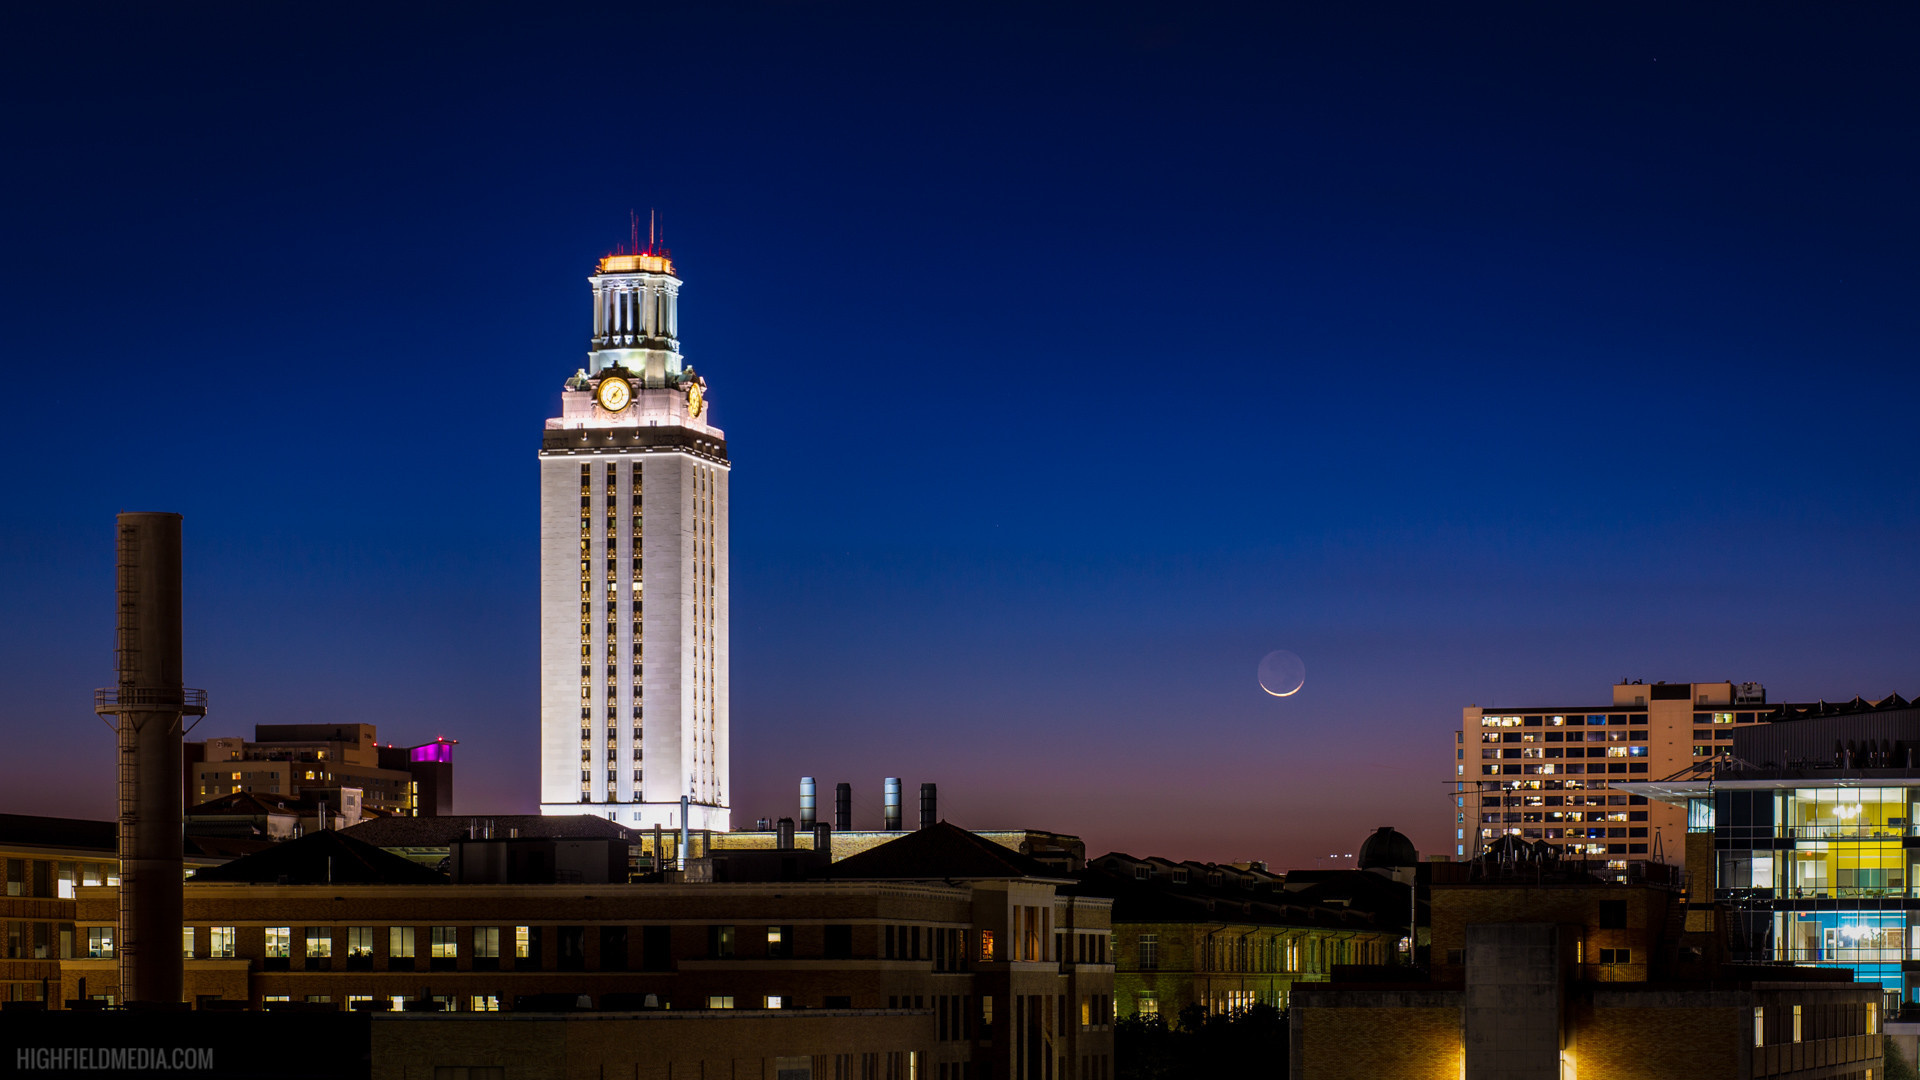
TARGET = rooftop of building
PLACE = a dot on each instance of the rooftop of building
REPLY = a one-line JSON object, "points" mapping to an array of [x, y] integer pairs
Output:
{"points": [[1817, 709], [1343, 899], [322, 857], [249, 803], [84, 837], [1634, 695], [941, 852], [1386, 847], [440, 832], [1511, 861], [78, 834], [646, 262]]}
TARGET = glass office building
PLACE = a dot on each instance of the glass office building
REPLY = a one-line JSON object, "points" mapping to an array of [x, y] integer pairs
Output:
{"points": [[1807, 832], [1817, 871]]}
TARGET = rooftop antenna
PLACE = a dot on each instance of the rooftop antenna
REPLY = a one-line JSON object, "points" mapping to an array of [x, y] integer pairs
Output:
{"points": [[651, 213], [633, 224]]}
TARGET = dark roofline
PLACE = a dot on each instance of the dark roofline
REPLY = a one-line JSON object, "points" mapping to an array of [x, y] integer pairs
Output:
{"points": [[934, 854], [33, 830]]}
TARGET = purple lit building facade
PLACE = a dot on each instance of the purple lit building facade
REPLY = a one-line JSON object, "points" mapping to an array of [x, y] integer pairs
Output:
{"points": [[431, 765], [341, 764]]}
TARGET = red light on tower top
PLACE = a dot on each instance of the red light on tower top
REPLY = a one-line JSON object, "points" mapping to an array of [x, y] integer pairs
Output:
{"points": [[654, 258]]}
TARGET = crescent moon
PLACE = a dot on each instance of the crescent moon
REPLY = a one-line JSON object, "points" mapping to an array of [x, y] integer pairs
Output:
{"points": [[1289, 693]]}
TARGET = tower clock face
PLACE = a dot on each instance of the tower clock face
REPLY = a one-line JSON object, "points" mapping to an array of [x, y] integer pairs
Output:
{"points": [[614, 393], [696, 399]]}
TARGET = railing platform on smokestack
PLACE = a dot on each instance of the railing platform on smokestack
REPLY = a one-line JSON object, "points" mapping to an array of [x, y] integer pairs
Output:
{"points": [[110, 700]]}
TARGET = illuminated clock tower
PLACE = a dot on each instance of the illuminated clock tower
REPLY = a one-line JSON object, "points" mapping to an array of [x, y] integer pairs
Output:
{"points": [[633, 570]]}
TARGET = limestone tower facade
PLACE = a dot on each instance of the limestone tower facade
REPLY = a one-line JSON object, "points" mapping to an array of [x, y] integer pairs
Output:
{"points": [[633, 570]]}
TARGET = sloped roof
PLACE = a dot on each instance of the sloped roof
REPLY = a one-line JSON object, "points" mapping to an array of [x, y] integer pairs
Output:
{"points": [[325, 857], [225, 847], [1161, 901], [1823, 708], [55, 832], [940, 852], [443, 831], [247, 804]]}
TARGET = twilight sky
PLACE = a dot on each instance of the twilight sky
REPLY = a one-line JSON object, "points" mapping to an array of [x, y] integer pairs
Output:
{"points": [[1072, 358]]}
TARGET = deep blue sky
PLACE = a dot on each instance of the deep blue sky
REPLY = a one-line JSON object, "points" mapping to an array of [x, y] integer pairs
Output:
{"points": [[1072, 357]]}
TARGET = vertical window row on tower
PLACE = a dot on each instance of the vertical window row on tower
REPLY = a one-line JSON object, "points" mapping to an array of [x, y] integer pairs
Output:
{"points": [[612, 685], [586, 632], [637, 580], [705, 764]]}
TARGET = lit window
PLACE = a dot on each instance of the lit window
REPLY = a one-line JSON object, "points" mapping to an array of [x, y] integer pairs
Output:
{"points": [[1796, 1023], [221, 940], [720, 1001], [1146, 1004], [100, 942], [486, 941], [483, 1003], [774, 1001], [279, 941], [187, 941], [319, 941], [1759, 1026], [400, 941], [360, 941]]}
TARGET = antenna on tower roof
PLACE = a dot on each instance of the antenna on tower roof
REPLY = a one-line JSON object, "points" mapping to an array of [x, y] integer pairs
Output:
{"points": [[633, 225], [651, 214]]}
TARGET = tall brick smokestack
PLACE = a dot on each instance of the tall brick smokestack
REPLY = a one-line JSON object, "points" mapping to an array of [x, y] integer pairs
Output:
{"points": [[146, 709]]}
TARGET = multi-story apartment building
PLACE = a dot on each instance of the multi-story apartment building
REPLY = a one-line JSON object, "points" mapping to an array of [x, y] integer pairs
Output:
{"points": [[1806, 831], [319, 760], [1546, 773], [1000, 958]]}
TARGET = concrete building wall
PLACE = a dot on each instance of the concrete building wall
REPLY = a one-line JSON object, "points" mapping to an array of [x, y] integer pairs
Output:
{"points": [[560, 702], [1510, 1011], [1652, 1039], [768, 1045], [1369, 1034], [1587, 939]]}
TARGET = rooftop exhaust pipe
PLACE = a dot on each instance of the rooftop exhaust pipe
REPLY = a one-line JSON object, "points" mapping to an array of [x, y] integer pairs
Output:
{"points": [[893, 805], [929, 805], [842, 807], [806, 802]]}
